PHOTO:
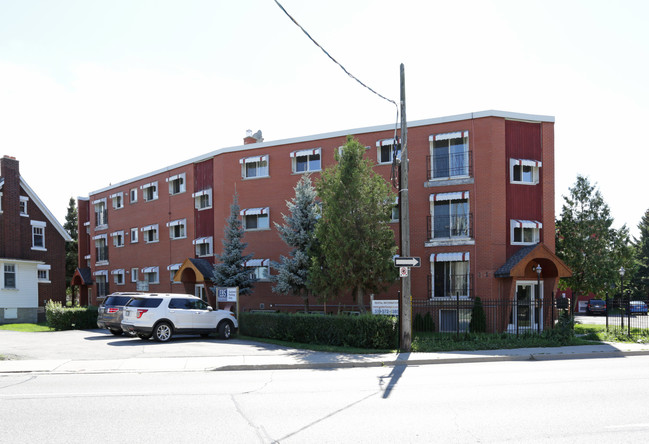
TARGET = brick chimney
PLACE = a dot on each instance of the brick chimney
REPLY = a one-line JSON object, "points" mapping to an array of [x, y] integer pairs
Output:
{"points": [[252, 138], [10, 234]]}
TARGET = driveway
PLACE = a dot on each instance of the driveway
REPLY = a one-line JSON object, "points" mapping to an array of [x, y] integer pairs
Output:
{"points": [[99, 344]]}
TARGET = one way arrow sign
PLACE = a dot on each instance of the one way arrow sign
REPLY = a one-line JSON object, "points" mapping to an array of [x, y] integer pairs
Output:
{"points": [[407, 262]]}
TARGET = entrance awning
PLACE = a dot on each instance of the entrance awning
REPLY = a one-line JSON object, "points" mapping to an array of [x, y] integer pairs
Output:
{"points": [[201, 268], [516, 265]]}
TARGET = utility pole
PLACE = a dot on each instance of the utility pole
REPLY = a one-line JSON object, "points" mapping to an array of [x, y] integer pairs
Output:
{"points": [[405, 315]]}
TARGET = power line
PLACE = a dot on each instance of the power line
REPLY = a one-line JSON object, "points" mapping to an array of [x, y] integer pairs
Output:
{"points": [[334, 60]]}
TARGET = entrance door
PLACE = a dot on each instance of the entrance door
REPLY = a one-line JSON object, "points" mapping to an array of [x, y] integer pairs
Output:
{"points": [[528, 307], [199, 291]]}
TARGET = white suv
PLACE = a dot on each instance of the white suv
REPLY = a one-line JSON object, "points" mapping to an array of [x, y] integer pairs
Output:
{"points": [[163, 315]]}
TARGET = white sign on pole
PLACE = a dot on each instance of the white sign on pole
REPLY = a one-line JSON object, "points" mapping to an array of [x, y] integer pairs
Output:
{"points": [[403, 272], [389, 307], [227, 294]]}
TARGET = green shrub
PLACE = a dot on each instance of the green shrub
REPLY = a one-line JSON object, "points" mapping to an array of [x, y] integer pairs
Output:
{"points": [[478, 323], [365, 331], [564, 330], [59, 317], [423, 323]]}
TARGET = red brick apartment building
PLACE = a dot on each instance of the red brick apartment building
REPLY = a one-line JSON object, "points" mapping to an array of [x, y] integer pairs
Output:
{"points": [[32, 249], [481, 211]]}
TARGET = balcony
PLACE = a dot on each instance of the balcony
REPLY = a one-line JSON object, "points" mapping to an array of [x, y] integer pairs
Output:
{"points": [[450, 230]]}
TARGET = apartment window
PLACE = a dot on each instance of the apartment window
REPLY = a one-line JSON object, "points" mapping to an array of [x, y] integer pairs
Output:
{"points": [[176, 184], [9, 280], [118, 200], [101, 213], [252, 167], [385, 150], [150, 233], [450, 274], [525, 232], [449, 155], [524, 172], [23, 205], [134, 273], [173, 268], [177, 229], [450, 215], [203, 199], [203, 246], [118, 276], [43, 273], [305, 161], [395, 214], [134, 235], [150, 191], [101, 248], [260, 268], [118, 238], [151, 275], [133, 195], [101, 279], [1, 198], [38, 235], [255, 219]]}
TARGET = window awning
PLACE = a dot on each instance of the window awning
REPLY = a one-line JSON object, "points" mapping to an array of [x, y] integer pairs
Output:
{"points": [[253, 159], [118, 271], [176, 177], [174, 267], [100, 273], [202, 193], [149, 228], [527, 162], [148, 185], [173, 223], [449, 257], [202, 240], [305, 152], [120, 194], [150, 270], [527, 223], [460, 195], [117, 233], [99, 236], [447, 136], [257, 263], [252, 211], [385, 142], [43, 267], [99, 201]]}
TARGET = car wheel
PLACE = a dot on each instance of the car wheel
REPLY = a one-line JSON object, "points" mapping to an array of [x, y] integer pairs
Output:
{"points": [[115, 332], [143, 336], [162, 332], [225, 330]]}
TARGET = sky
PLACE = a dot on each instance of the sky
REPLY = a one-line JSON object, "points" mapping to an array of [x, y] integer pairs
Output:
{"points": [[96, 92]]}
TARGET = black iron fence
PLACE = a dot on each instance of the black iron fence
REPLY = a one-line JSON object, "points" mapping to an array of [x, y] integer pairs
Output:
{"points": [[628, 316]]}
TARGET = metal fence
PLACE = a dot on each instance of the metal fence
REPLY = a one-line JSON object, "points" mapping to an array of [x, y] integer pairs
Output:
{"points": [[628, 316]]}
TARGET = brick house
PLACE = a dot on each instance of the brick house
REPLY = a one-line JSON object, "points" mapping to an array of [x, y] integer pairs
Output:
{"points": [[32, 249], [481, 212]]}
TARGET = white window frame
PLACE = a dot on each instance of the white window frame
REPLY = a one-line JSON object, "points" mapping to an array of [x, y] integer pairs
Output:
{"points": [[209, 241], [118, 200], [149, 272], [179, 179], [260, 269], [522, 164], [134, 235], [380, 147], [133, 195], [449, 197], [261, 170], [8, 269], [134, 273], [38, 225], [199, 198], [118, 238], [306, 153], [182, 223], [525, 226], [173, 269], [257, 214], [43, 273], [156, 232], [465, 155], [145, 191], [456, 257], [101, 238], [101, 209], [118, 276], [23, 206]]}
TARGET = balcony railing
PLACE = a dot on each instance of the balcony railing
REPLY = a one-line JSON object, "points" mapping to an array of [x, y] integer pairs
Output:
{"points": [[453, 285], [450, 227], [450, 166]]}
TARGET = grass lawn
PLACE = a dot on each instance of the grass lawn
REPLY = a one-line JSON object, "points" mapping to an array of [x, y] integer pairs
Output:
{"points": [[598, 333], [26, 327]]}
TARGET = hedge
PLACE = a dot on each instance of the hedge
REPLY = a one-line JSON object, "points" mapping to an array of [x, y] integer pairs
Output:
{"points": [[59, 317], [365, 331]]}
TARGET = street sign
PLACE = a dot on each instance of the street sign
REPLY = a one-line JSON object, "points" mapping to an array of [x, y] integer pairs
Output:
{"points": [[403, 272], [407, 261]]}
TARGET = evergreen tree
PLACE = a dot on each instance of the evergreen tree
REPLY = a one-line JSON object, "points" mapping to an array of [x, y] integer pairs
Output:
{"points": [[71, 248], [478, 323], [355, 243], [229, 271], [587, 242], [640, 280], [298, 232]]}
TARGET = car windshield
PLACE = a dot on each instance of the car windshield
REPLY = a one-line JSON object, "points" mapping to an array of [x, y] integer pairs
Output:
{"points": [[117, 300], [144, 302]]}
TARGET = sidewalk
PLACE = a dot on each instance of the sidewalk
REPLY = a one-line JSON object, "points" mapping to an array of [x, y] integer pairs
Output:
{"points": [[281, 358]]}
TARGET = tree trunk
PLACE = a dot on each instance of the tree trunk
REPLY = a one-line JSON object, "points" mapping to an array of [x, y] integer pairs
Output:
{"points": [[359, 300]]}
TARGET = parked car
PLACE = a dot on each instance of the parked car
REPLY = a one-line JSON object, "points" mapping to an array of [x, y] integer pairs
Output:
{"points": [[109, 313], [163, 315], [596, 306], [637, 307]]}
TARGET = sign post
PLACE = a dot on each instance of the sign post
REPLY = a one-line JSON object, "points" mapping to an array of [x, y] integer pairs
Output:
{"points": [[228, 294]]}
